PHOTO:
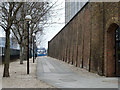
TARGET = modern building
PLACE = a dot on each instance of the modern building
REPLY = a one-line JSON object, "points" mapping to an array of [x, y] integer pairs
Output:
{"points": [[13, 43], [91, 39], [71, 8], [14, 49]]}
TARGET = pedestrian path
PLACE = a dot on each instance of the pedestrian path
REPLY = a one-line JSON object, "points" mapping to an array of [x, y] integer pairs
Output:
{"points": [[61, 75]]}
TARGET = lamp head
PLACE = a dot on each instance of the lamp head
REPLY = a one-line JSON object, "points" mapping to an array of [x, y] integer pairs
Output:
{"points": [[28, 17], [33, 34]]}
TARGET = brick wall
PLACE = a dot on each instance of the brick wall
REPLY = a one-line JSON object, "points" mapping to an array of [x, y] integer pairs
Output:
{"points": [[83, 41]]}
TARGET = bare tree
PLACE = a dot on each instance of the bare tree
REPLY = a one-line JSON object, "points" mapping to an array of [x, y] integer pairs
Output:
{"points": [[39, 13], [8, 14]]}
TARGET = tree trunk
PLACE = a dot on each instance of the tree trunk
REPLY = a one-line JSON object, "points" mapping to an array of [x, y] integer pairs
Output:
{"points": [[21, 55], [25, 53], [7, 54], [25, 43]]}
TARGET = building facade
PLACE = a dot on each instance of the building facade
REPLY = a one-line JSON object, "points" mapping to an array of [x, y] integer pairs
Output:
{"points": [[13, 43], [14, 49], [71, 8], [91, 39]]}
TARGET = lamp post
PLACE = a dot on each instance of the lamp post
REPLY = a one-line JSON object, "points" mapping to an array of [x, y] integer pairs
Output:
{"points": [[28, 18], [33, 46], [35, 49]]}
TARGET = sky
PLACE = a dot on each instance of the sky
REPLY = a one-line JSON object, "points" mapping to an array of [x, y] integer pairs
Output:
{"points": [[57, 22], [2, 33]]}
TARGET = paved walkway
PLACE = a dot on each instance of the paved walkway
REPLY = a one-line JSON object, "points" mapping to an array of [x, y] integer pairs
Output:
{"points": [[63, 75], [20, 79]]}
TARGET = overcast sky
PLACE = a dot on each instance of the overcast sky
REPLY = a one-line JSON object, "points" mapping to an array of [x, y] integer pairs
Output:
{"points": [[56, 23], [2, 34]]}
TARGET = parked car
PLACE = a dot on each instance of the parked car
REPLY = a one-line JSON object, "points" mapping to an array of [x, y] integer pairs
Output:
{"points": [[42, 52]]}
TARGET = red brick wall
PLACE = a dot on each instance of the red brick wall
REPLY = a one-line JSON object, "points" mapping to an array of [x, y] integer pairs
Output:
{"points": [[85, 42]]}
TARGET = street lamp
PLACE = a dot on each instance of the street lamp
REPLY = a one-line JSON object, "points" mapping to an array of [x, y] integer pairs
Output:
{"points": [[28, 18], [33, 45], [35, 49]]}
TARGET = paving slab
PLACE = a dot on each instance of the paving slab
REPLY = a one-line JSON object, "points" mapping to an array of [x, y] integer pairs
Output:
{"points": [[61, 75]]}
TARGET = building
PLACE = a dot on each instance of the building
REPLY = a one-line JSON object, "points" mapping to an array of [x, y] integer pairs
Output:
{"points": [[71, 8], [13, 43], [14, 49], [91, 39]]}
